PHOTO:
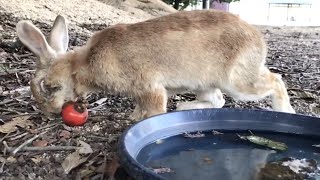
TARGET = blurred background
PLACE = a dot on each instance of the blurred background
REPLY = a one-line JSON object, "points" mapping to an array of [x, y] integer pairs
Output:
{"points": [[266, 12]]}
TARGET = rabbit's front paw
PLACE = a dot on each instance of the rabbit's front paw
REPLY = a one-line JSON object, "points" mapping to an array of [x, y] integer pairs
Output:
{"points": [[194, 105], [137, 114]]}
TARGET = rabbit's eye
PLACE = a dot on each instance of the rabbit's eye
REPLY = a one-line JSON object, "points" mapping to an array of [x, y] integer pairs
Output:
{"points": [[52, 89], [48, 89]]}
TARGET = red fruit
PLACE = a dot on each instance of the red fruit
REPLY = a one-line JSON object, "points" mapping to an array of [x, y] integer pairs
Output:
{"points": [[74, 113]]}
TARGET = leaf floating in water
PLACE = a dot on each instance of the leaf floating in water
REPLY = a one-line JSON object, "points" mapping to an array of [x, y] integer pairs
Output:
{"points": [[207, 160], [159, 141], [162, 170], [197, 135], [265, 142], [289, 168], [216, 132]]}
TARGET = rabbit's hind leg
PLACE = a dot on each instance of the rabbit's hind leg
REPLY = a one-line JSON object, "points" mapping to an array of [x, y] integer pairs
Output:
{"points": [[209, 98], [263, 85]]}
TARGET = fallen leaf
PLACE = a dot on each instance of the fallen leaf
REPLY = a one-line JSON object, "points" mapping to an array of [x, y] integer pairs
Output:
{"points": [[20, 90], [85, 172], [68, 128], [11, 126], [2, 159], [102, 168], [40, 143], [36, 159], [11, 159], [65, 134], [72, 161], [3, 55], [315, 108], [114, 165], [99, 102], [109, 168], [304, 95], [85, 148]]}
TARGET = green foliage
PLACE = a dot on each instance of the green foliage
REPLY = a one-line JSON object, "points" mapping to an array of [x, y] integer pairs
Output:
{"points": [[182, 4]]}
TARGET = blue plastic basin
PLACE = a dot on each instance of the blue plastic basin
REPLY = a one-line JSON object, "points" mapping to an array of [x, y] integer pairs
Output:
{"points": [[146, 132]]}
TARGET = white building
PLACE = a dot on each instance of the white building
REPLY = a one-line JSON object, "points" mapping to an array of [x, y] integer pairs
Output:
{"points": [[276, 12]]}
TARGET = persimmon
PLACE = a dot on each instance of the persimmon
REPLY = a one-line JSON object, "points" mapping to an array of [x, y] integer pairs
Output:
{"points": [[74, 113]]}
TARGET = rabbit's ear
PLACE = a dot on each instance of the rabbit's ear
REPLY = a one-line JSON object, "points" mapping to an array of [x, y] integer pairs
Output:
{"points": [[32, 37], [59, 37]]}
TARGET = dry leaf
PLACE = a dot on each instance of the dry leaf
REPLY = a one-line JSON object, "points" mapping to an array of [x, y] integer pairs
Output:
{"points": [[72, 161], [2, 159], [114, 165], [20, 90], [40, 143], [36, 159], [315, 108], [11, 126], [85, 172], [65, 134], [109, 168], [85, 148], [304, 95], [68, 128], [11, 159], [99, 102]]}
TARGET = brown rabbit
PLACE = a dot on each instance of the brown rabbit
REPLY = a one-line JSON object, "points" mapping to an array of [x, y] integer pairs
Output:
{"points": [[205, 51]]}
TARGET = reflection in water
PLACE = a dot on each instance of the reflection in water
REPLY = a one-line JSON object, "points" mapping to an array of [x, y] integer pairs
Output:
{"points": [[227, 164]]}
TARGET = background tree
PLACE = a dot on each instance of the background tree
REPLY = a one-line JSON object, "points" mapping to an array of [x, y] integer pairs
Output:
{"points": [[182, 4]]}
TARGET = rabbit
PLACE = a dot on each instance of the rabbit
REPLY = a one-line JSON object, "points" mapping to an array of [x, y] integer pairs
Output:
{"points": [[204, 51]]}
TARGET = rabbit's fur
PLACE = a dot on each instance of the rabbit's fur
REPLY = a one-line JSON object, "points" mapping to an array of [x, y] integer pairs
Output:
{"points": [[205, 51]]}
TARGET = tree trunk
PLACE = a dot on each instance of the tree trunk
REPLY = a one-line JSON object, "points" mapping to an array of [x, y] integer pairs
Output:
{"points": [[176, 4], [204, 4]]}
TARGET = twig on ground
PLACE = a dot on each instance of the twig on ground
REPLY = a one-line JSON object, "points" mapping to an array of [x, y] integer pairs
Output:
{"points": [[4, 137], [18, 136], [18, 78], [25, 55], [104, 162], [6, 101], [2, 165], [14, 152], [10, 110], [46, 148]]}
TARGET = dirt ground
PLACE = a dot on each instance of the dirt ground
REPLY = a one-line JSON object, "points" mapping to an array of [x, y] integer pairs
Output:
{"points": [[293, 52]]}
